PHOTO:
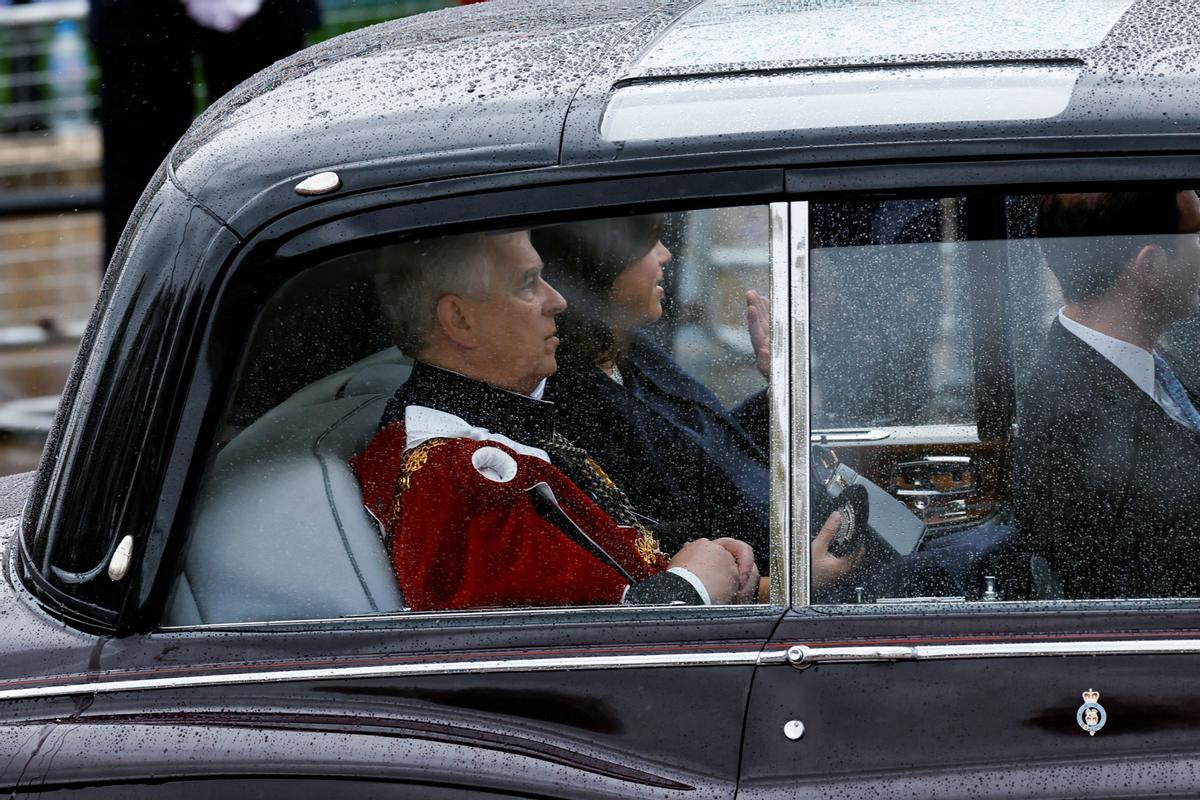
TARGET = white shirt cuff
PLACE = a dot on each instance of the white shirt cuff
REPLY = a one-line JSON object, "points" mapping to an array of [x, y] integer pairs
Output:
{"points": [[696, 583]]}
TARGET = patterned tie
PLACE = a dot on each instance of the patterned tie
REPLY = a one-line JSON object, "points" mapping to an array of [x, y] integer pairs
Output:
{"points": [[1184, 412]]}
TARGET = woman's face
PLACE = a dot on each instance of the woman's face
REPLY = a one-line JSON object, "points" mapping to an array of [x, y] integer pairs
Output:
{"points": [[635, 298]]}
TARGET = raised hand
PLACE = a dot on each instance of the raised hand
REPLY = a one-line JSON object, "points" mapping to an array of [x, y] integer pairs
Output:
{"points": [[758, 321]]}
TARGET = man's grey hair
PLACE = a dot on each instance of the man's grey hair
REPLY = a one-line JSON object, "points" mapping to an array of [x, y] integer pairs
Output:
{"points": [[415, 275]]}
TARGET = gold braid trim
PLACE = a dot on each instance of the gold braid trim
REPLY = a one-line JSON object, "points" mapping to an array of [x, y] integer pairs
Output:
{"points": [[646, 545], [413, 460], [599, 470]]}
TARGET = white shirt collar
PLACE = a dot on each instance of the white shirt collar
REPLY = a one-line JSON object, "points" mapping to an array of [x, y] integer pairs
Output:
{"points": [[422, 424], [539, 391], [1136, 363]]}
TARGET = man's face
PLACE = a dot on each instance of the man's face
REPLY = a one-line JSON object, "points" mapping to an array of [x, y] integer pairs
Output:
{"points": [[513, 321], [1180, 283]]}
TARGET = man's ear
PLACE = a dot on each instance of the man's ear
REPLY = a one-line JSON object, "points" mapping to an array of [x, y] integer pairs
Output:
{"points": [[1146, 267], [1148, 259], [454, 320]]}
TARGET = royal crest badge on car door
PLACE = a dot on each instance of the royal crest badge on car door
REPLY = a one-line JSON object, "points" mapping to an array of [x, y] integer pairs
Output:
{"points": [[1091, 716]]}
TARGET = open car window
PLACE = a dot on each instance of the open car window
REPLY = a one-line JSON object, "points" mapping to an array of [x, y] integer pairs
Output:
{"points": [[1003, 391], [390, 446]]}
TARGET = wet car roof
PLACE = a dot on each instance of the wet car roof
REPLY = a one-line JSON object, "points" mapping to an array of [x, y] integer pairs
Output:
{"points": [[479, 89], [517, 85], [724, 35]]}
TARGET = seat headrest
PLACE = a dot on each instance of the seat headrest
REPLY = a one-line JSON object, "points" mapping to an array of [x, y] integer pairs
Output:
{"points": [[376, 379]]}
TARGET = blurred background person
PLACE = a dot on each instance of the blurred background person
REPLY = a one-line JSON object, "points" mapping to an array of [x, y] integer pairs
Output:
{"points": [[164, 61], [144, 49]]}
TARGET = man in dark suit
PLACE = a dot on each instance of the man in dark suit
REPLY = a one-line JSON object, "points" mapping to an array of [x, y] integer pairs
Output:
{"points": [[1108, 450]]}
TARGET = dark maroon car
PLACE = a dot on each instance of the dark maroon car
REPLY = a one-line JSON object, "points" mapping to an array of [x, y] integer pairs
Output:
{"points": [[196, 603]]}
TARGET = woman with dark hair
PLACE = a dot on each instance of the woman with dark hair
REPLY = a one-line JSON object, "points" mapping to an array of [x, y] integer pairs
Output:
{"points": [[695, 467]]}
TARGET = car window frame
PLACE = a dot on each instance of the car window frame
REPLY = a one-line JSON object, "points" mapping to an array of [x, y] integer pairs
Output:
{"points": [[726, 178], [996, 413], [293, 244]]}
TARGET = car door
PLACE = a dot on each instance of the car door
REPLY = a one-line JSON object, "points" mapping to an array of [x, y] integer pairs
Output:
{"points": [[558, 707], [935, 674], [283, 661]]}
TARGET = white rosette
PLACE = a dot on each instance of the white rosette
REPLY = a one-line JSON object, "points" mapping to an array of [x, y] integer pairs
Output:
{"points": [[494, 464]]}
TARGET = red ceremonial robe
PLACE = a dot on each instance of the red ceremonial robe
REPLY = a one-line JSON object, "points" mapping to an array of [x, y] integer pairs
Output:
{"points": [[464, 532]]}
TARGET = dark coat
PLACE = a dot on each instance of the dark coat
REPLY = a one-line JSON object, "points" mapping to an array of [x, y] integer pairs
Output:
{"points": [[144, 49], [1104, 481], [164, 24], [685, 460]]}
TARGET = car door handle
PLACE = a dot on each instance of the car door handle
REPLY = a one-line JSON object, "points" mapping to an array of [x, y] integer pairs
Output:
{"points": [[802, 656]]}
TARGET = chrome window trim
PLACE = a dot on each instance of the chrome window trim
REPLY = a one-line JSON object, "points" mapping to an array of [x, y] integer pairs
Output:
{"points": [[798, 317], [489, 666], [470, 616], [780, 401], [801, 656]]}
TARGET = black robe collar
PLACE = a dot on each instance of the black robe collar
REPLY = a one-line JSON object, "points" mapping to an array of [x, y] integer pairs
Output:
{"points": [[482, 405]]}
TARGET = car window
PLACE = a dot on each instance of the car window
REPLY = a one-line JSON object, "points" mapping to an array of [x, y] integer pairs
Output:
{"points": [[1004, 395], [572, 415], [893, 351]]}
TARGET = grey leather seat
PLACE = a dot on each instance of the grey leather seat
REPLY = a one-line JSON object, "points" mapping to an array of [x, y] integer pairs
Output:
{"points": [[280, 530]]}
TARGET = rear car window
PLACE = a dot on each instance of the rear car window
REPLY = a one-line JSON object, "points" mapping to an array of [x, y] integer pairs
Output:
{"points": [[1009, 383]]}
